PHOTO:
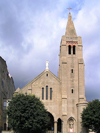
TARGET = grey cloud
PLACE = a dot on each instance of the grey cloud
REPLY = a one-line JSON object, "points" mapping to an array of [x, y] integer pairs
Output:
{"points": [[11, 33], [10, 28], [92, 92], [24, 28]]}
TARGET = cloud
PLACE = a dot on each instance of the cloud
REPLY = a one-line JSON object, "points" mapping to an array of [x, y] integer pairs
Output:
{"points": [[87, 19], [31, 31]]}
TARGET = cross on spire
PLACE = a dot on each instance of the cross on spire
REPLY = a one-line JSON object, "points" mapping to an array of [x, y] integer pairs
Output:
{"points": [[69, 9]]}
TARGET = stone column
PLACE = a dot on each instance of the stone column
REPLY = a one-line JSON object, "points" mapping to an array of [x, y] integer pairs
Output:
{"points": [[55, 127], [61, 126]]}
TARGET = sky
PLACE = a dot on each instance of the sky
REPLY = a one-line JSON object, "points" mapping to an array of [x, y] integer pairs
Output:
{"points": [[31, 31]]}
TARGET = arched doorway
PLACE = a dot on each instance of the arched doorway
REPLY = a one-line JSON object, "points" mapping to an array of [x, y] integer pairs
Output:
{"points": [[4, 126], [51, 123], [59, 126]]}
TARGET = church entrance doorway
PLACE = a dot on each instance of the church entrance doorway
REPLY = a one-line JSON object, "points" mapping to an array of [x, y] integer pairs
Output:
{"points": [[51, 123], [59, 124]]}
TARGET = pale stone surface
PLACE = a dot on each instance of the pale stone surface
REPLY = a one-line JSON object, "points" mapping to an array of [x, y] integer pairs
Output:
{"points": [[7, 132], [68, 89], [17, 90]]}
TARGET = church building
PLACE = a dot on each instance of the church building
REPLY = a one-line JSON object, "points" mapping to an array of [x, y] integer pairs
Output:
{"points": [[63, 96], [7, 90]]}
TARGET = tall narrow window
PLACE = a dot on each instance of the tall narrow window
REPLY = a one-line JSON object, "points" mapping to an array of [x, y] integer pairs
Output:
{"points": [[73, 49], [69, 49], [50, 93], [71, 70], [5, 104], [42, 93], [72, 90], [2, 84], [46, 92]]}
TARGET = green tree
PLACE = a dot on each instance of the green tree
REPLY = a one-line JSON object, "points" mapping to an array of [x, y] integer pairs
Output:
{"points": [[27, 114], [91, 115]]}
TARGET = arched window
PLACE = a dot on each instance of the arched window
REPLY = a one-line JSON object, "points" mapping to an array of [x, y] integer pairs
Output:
{"points": [[74, 49], [69, 49], [46, 92], [42, 93], [50, 93], [71, 70], [59, 126]]}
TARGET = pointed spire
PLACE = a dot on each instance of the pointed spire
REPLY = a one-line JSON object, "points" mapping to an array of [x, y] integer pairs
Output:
{"points": [[70, 29]]}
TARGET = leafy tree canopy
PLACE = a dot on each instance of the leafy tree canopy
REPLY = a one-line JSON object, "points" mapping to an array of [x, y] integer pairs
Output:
{"points": [[27, 114], [91, 115]]}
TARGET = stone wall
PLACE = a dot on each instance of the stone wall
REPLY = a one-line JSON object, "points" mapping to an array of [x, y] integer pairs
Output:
{"points": [[7, 89]]}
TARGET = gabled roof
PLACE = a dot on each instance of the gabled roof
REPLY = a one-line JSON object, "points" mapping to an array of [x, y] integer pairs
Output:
{"points": [[40, 75], [17, 90]]}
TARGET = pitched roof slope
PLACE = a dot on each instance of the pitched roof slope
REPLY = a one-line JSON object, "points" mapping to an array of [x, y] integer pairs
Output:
{"points": [[39, 76]]}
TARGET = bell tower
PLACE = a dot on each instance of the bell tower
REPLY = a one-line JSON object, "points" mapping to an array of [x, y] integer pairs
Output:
{"points": [[71, 75]]}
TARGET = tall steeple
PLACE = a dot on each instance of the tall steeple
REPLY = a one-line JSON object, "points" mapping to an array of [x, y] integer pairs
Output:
{"points": [[70, 29], [71, 74]]}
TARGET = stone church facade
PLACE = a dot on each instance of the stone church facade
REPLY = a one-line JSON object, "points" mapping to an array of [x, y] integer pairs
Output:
{"points": [[63, 96]]}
